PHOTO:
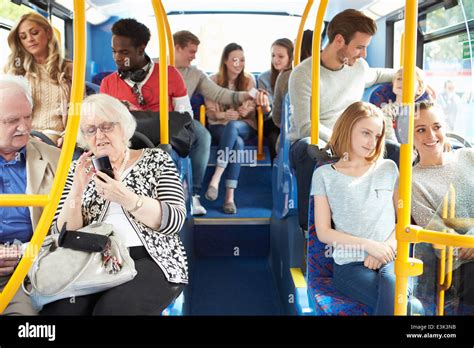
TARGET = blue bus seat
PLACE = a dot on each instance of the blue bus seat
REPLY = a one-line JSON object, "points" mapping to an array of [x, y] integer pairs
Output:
{"points": [[91, 88], [175, 308], [326, 299], [381, 93], [284, 180], [196, 101], [97, 78]]}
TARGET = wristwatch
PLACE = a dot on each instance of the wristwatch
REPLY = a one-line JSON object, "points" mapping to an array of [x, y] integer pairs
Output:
{"points": [[138, 205]]}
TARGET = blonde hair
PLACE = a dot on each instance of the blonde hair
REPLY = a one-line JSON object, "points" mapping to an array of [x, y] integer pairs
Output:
{"points": [[21, 62], [420, 79], [112, 110], [340, 141]]}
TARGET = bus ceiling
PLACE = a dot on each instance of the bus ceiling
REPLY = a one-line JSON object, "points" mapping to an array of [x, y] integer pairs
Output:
{"points": [[98, 11]]}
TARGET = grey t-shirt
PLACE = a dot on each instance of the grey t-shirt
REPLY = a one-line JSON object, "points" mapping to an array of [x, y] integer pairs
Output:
{"points": [[360, 206]]}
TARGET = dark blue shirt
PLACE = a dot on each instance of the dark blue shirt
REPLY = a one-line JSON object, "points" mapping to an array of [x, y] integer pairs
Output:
{"points": [[15, 222]]}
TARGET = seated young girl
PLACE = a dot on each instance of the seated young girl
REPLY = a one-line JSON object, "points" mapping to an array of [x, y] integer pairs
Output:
{"points": [[358, 193], [228, 125]]}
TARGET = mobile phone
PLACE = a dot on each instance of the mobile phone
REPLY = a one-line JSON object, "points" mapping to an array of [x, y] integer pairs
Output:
{"points": [[102, 164], [83, 241]]}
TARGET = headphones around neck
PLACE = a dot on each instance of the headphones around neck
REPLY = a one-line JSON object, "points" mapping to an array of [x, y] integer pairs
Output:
{"points": [[136, 75]]}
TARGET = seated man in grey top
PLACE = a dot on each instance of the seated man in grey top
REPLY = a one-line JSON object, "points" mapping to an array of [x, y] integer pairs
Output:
{"points": [[344, 75], [185, 48]]}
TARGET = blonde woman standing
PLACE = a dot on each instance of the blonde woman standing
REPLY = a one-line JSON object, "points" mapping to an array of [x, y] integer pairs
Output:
{"points": [[35, 54]]}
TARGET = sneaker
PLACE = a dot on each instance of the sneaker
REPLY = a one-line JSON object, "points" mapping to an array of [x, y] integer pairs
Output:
{"points": [[198, 209]]}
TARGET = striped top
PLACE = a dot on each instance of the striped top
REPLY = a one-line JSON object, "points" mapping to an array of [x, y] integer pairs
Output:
{"points": [[154, 175]]}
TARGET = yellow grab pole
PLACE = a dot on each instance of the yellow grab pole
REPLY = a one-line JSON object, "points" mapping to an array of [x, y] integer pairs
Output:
{"points": [[402, 266], [159, 16], [47, 216], [299, 37], [318, 27], [260, 155], [168, 35], [202, 115]]}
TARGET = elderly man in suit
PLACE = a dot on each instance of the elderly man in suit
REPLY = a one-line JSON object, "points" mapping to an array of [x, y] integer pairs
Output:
{"points": [[26, 166]]}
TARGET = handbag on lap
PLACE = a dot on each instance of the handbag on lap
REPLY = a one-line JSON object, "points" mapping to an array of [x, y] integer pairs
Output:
{"points": [[77, 263]]}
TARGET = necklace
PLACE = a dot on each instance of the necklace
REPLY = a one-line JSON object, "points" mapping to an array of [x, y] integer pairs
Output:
{"points": [[124, 162]]}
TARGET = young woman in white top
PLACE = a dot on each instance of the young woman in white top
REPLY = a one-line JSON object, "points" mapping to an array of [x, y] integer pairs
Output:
{"points": [[359, 194]]}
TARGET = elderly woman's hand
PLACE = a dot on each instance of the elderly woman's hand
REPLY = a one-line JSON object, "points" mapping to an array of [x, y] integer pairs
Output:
{"points": [[113, 190], [83, 174]]}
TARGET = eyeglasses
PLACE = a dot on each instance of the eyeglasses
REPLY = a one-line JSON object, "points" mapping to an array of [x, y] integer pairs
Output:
{"points": [[136, 92], [105, 127]]}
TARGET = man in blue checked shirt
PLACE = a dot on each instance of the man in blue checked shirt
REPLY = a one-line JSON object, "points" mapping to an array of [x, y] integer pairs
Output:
{"points": [[26, 166]]}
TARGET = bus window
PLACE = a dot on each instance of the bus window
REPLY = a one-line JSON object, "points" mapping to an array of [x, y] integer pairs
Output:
{"points": [[443, 18], [58, 24], [398, 29], [4, 52], [447, 61], [216, 31], [10, 11]]}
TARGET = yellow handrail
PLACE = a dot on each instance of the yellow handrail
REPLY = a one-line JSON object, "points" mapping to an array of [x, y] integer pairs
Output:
{"points": [[260, 155], [52, 201], [202, 115], [299, 37], [445, 275], [169, 36], [318, 26], [159, 17], [402, 266]]}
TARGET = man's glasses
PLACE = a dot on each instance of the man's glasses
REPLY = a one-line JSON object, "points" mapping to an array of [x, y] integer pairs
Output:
{"points": [[136, 92], [105, 127]]}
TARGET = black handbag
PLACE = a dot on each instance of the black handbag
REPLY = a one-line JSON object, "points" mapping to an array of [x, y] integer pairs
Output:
{"points": [[181, 129]]}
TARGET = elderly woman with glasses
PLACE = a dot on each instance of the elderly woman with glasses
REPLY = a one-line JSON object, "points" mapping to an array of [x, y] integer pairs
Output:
{"points": [[144, 202]]}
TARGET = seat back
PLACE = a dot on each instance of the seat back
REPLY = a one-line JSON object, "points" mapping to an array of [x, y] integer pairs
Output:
{"points": [[381, 93], [284, 180], [97, 78], [196, 101]]}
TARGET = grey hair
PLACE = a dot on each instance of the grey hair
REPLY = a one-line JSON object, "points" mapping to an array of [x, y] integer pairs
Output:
{"points": [[111, 109], [20, 82]]}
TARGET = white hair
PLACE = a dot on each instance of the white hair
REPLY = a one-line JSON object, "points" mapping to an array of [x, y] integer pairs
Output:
{"points": [[20, 82], [112, 110]]}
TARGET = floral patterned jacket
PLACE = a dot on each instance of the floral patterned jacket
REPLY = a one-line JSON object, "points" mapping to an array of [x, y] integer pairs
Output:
{"points": [[154, 175]]}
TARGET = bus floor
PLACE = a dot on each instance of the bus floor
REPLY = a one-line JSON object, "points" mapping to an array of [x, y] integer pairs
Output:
{"points": [[231, 272]]}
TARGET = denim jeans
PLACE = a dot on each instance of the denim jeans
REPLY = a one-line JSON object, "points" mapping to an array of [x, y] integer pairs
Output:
{"points": [[231, 137], [375, 289], [199, 155]]}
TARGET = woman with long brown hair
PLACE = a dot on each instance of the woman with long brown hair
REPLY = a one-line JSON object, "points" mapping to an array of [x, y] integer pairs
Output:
{"points": [[35, 54], [228, 125], [282, 59]]}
